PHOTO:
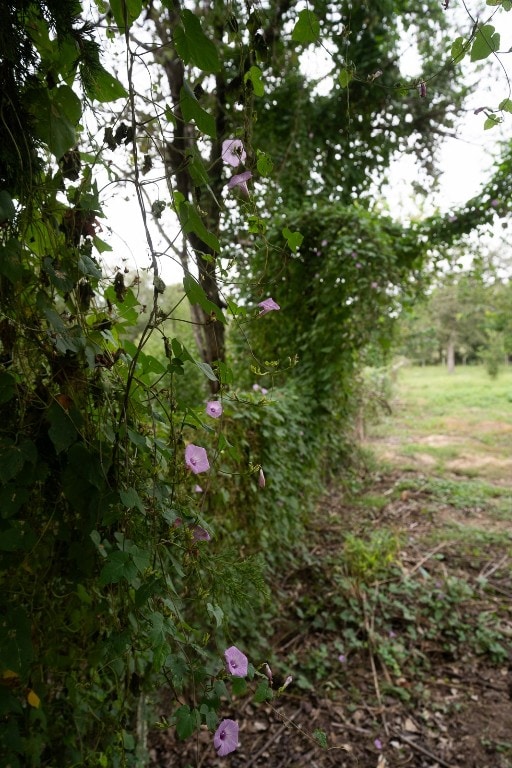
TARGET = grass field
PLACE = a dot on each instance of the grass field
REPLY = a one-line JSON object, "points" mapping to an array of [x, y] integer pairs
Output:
{"points": [[460, 423]]}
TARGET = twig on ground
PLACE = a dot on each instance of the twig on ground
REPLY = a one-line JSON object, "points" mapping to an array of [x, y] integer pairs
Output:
{"points": [[275, 735], [488, 569], [424, 751], [427, 557]]}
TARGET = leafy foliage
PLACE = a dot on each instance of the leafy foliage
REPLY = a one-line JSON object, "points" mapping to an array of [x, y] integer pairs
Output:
{"points": [[118, 575]]}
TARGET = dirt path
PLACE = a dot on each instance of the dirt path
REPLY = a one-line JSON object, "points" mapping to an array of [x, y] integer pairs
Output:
{"points": [[396, 624]]}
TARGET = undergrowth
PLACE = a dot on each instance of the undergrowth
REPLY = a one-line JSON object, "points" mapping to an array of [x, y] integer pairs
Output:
{"points": [[359, 602]]}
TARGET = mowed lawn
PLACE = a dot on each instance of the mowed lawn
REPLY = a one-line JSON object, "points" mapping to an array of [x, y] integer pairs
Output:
{"points": [[460, 422]]}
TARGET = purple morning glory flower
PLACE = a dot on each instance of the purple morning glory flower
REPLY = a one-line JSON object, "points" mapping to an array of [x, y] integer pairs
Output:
{"points": [[256, 387], [196, 459], [240, 180], [233, 152], [225, 739], [214, 409], [200, 534], [342, 658], [378, 744], [261, 478], [236, 662], [267, 306], [264, 391]]}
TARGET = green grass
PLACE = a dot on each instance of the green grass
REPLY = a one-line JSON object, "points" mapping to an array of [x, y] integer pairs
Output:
{"points": [[469, 387], [463, 421]]}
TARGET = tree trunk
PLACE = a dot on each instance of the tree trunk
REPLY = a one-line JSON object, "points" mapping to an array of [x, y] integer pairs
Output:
{"points": [[211, 333], [450, 354]]}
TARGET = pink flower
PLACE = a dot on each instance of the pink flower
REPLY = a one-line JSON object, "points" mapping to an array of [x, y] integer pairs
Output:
{"points": [[256, 387], [233, 152], [214, 409], [197, 489], [342, 658], [268, 305], [261, 478], [236, 662], [378, 744], [200, 534], [264, 391], [225, 739], [196, 459], [240, 180]]}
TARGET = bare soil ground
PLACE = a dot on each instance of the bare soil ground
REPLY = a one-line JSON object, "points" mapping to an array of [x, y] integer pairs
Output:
{"points": [[452, 709]]}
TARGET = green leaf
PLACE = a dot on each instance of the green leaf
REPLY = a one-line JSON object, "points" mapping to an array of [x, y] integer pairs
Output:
{"points": [[196, 167], [320, 737], [7, 387], [187, 720], [196, 295], [7, 209], [193, 46], [12, 498], [216, 612], [264, 163], [88, 266], [17, 537], [344, 77], [491, 122], [105, 87], [16, 641], [11, 261], [55, 114], [263, 692], [293, 239], [486, 42], [459, 49], [119, 565], [62, 431], [307, 28], [192, 222], [192, 110], [11, 462], [506, 105], [206, 369], [255, 75], [210, 716], [125, 11], [130, 498], [238, 686]]}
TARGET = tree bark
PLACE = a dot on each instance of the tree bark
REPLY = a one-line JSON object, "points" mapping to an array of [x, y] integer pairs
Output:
{"points": [[450, 354], [211, 337]]}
